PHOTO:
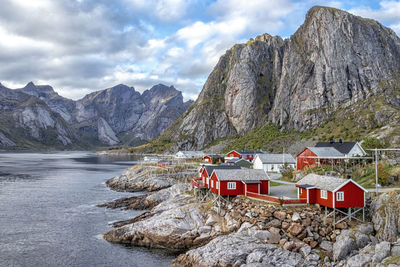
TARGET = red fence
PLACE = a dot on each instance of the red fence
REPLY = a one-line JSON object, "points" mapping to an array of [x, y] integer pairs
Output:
{"points": [[197, 183], [277, 199]]}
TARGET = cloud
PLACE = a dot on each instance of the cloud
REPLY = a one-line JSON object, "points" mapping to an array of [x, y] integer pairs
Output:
{"points": [[388, 13], [79, 46]]}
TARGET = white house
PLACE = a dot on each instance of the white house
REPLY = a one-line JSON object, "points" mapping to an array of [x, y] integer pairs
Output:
{"points": [[349, 149], [273, 162], [189, 154]]}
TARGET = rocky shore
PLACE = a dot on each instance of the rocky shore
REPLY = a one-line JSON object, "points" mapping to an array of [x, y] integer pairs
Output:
{"points": [[246, 232]]}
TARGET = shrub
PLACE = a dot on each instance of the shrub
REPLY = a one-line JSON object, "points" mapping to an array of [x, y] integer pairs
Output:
{"points": [[287, 171], [383, 175]]}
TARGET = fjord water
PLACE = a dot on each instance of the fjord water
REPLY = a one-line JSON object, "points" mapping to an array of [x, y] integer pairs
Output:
{"points": [[48, 213]]}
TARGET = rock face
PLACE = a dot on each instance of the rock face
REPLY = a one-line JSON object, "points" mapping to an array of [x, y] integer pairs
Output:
{"points": [[118, 115], [335, 59], [386, 219], [238, 249]]}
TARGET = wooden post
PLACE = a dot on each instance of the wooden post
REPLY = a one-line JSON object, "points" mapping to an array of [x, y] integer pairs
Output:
{"points": [[326, 212], [376, 170], [334, 219], [363, 214], [349, 214]]}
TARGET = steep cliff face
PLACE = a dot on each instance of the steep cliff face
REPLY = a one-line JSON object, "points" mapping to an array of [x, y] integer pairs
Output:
{"points": [[334, 60], [27, 119]]}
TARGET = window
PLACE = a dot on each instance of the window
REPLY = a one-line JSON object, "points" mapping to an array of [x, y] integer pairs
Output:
{"points": [[217, 185], [324, 194], [340, 196], [231, 185], [301, 191], [212, 183]]}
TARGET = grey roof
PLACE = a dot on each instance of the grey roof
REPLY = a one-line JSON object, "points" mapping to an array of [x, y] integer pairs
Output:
{"points": [[276, 158], [323, 182], [241, 175], [343, 147], [326, 152], [211, 168]]}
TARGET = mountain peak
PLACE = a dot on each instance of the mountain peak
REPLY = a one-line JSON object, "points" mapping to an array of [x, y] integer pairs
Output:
{"points": [[30, 85]]}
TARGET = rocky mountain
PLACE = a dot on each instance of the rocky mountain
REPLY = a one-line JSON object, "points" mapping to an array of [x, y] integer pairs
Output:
{"points": [[334, 61], [36, 116]]}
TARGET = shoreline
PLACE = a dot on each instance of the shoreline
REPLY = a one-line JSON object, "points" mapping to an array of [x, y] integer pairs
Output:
{"points": [[174, 220]]}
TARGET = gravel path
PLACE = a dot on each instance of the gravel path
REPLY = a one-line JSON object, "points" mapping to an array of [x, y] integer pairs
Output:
{"points": [[287, 190]]}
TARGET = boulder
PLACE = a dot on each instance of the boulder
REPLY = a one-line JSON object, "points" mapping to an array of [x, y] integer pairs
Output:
{"points": [[295, 229], [361, 239], [296, 217], [280, 215], [305, 251], [343, 246], [359, 260], [366, 229], [274, 223], [382, 250], [326, 245], [395, 251]]}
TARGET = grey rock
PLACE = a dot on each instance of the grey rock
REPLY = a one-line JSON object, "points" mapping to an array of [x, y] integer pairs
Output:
{"points": [[359, 260], [385, 216], [4, 141], [305, 251], [343, 246], [382, 250], [326, 245], [365, 228], [361, 239], [395, 251]]}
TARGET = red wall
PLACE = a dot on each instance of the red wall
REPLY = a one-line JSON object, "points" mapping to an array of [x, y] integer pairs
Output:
{"points": [[324, 202], [264, 187], [252, 188], [302, 193], [353, 196], [305, 162], [207, 159], [224, 187], [312, 196], [234, 154]]}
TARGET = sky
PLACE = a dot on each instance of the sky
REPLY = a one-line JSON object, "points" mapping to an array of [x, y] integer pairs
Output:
{"points": [[81, 46]]}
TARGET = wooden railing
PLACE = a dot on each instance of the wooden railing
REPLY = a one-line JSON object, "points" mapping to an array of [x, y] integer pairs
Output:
{"points": [[282, 201], [198, 183]]}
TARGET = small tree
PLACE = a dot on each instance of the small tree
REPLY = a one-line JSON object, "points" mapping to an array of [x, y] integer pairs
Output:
{"points": [[383, 175], [370, 142], [287, 171]]}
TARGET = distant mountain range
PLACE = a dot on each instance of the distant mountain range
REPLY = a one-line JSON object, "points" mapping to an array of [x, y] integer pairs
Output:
{"points": [[36, 117], [337, 75]]}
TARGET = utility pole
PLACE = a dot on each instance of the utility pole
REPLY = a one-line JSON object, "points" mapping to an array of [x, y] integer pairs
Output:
{"points": [[376, 170]]}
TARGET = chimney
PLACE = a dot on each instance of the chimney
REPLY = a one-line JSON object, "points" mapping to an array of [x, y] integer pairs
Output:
{"points": [[341, 140], [332, 141], [348, 176]]}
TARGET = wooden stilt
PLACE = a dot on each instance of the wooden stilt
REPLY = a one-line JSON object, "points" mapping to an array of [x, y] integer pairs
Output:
{"points": [[349, 214], [363, 214]]}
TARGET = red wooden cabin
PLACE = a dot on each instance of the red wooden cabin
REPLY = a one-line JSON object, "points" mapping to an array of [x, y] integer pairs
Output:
{"points": [[331, 192], [210, 158], [228, 182], [315, 156], [243, 154], [206, 171], [164, 163]]}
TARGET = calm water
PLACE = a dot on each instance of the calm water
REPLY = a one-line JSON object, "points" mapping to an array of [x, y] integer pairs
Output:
{"points": [[48, 215]]}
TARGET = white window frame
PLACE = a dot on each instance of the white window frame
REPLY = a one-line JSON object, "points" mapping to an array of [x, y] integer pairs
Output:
{"points": [[217, 185], [340, 196], [231, 185], [324, 194], [212, 183], [301, 191]]}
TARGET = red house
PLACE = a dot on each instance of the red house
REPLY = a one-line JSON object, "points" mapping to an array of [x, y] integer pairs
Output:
{"points": [[331, 192], [210, 158], [164, 163], [228, 182], [315, 156], [243, 154], [206, 171]]}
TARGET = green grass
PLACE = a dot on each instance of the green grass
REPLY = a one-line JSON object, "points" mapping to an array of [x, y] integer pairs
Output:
{"points": [[272, 183]]}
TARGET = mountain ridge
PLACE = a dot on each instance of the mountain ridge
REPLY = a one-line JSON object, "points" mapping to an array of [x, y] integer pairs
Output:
{"points": [[112, 116], [333, 61]]}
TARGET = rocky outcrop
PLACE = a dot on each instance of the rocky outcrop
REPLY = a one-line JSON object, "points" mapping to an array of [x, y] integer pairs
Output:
{"points": [[117, 115], [386, 216], [244, 248], [334, 60], [147, 201]]}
